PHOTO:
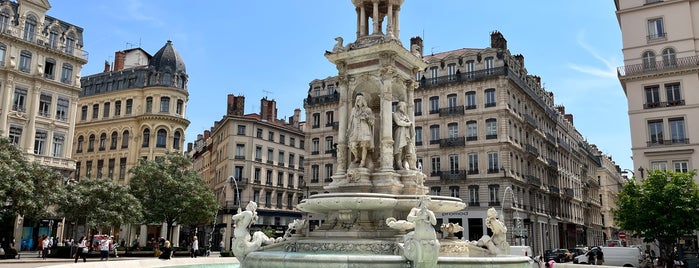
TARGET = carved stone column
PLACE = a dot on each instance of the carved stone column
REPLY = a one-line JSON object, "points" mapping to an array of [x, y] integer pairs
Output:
{"points": [[376, 19], [343, 112], [32, 105], [410, 87], [72, 113], [6, 101], [362, 21], [386, 118], [389, 16], [396, 25]]}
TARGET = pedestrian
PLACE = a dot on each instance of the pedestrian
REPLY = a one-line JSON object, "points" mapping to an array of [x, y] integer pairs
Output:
{"points": [[194, 248], [114, 246], [600, 256], [104, 249], [45, 245], [166, 253], [40, 245], [82, 250], [591, 256]]}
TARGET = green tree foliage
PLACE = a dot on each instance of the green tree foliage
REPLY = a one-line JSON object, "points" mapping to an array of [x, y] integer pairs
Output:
{"points": [[662, 207], [27, 187], [172, 192], [100, 202]]}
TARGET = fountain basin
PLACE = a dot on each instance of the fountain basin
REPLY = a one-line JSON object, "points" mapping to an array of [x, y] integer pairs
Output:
{"points": [[325, 203]]}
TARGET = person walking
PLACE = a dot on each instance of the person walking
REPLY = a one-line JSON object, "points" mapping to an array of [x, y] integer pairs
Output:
{"points": [[194, 248], [104, 249], [166, 251], [45, 245], [600, 256], [82, 249]]}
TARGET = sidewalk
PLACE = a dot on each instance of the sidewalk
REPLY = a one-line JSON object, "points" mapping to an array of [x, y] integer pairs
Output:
{"points": [[29, 259]]}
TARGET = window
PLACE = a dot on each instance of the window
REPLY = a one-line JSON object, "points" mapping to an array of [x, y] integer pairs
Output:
{"points": [[125, 139], [301, 162], [652, 96], [280, 198], [149, 104], [20, 100], [91, 143], [16, 134], [329, 147], [268, 179], [241, 130], [473, 163], [453, 164], [29, 27], [53, 39], [434, 105], [270, 136], [164, 104], [88, 169], [493, 190], [105, 112], [655, 131], [95, 111], [240, 151], [316, 120], [681, 166], [648, 60], [302, 144], [70, 43], [328, 172], [103, 142], [161, 138], [256, 175], [83, 113], [491, 128], [259, 133], [451, 71], [180, 107], [655, 29], [62, 109], [470, 68], [79, 148], [470, 100], [453, 130], [434, 75], [454, 191], [434, 134], [292, 159], [473, 195], [669, 58], [25, 61], [471, 130], [493, 162], [418, 107], [4, 20], [280, 159], [658, 165], [677, 132], [418, 135], [146, 138], [66, 73], [489, 97], [45, 105], [435, 190], [177, 139], [329, 118], [40, 142], [49, 67], [315, 173], [258, 153], [436, 167], [282, 138], [77, 170], [331, 89], [58, 139], [673, 94], [315, 145], [3, 48], [316, 92], [270, 156], [292, 141], [451, 101], [113, 141], [129, 105], [489, 65], [110, 168]]}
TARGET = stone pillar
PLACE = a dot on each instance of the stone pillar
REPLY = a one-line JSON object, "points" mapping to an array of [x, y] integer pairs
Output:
{"points": [[363, 20], [19, 223], [71, 116], [143, 235], [6, 98], [175, 236], [410, 87], [343, 110], [163, 231], [32, 105], [396, 26], [389, 17], [228, 230], [375, 17], [386, 119], [359, 21]]}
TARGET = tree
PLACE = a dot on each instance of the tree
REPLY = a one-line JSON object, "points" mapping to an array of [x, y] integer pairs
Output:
{"points": [[172, 192], [26, 188], [662, 207], [100, 202]]}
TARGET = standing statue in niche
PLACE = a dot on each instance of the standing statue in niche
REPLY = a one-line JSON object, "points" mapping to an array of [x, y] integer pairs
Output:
{"points": [[244, 243], [402, 136], [361, 129]]}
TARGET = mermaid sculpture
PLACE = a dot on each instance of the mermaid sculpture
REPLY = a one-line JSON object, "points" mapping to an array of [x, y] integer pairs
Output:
{"points": [[244, 243]]}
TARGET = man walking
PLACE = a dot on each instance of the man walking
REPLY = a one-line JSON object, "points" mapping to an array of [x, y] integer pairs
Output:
{"points": [[194, 248]]}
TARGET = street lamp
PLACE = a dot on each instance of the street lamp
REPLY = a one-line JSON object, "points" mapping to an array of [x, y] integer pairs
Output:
{"points": [[626, 170]]}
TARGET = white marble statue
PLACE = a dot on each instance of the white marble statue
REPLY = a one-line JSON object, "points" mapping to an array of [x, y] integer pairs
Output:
{"points": [[361, 130], [451, 228], [244, 243], [497, 243], [421, 245], [402, 136]]}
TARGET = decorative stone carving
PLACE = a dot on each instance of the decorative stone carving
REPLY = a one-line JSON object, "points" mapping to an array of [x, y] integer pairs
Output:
{"points": [[496, 244], [338, 46], [296, 227], [451, 228], [403, 134], [420, 246], [351, 247], [244, 243], [361, 131]]}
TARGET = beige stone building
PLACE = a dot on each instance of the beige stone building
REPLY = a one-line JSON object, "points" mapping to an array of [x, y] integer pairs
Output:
{"points": [[40, 62], [252, 157], [132, 110], [659, 77], [487, 132]]}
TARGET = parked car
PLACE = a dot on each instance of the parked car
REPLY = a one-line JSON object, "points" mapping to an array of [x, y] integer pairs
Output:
{"points": [[577, 252], [558, 255]]}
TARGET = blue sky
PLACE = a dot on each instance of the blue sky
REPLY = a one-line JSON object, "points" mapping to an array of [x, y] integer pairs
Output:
{"points": [[275, 48]]}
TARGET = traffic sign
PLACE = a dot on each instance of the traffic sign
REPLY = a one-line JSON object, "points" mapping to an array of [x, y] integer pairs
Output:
{"points": [[622, 235]]}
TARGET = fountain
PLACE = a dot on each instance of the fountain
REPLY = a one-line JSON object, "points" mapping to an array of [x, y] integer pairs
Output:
{"points": [[377, 183]]}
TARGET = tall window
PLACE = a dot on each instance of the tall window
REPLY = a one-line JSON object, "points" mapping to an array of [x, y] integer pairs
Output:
{"points": [[652, 95], [83, 113], [70, 43], [45, 105], [270, 156], [329, 144], [453, 164], [489, 65], [103, 142], [176, 140], [29, 28], [100, 165], [40, 142], [49, 66], [491, 128], [436, 166], [493, 194], [58, 139], [161, 139], [4, 20], [434, 134], [91, 143], [434, 105], [316, 120], [655, 29], [113, 141], [434, 74], [655, 131], [125, 139], [673, 93], [180, 107], [25, 61], [106, 108], [66, 73], [110, 168], [470, 68], [3, 48], [20, 100], [280, 158], [454, 191], [240, 151], [88, 169], [471, 130], [451, 101], [470, 100], [117, 108], [315, 173], [282, 138], [62, 109], [270, 136], [669, 58], [648, 60], [79, 146], [329, 118], [677, 132], [53, 38], [16, 134], [418, 135], [493, 166], [146, 138], [258, 153], [129, 106], [164, 104], [292, 159], [95, 111], [418, 107], [149, 104], [473, 195], [451, 71], [473, 163], [315, 145], [435, 190], [490, 97], [328, 172], [453, 130]]}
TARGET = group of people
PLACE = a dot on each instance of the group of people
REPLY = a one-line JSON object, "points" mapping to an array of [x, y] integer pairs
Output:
{"points": [[595, 256]]}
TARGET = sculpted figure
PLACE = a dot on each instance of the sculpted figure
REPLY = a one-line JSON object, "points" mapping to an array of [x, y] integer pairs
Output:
{"points": [[244, 243], [402, 136], [495, 244], [421, 245], [338, 46], [360, 130]]}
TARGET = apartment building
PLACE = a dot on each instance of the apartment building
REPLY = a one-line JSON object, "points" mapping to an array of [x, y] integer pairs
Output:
{"points": [[253, 157], [658, 77], [40, 62], [487, 132], [135, 109]]}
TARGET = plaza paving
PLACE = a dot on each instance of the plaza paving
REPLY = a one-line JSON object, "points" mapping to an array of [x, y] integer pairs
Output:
{"points": [[29, 260]]}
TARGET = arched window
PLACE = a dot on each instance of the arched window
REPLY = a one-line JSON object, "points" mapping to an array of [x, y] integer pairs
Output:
{"points": [[103, 141], [70, 43], [146, 138], [648, 60], [125, 139], [669, 58], [4, 19], [91, 143], [161, 138], [81, 140], [176, 140], [113, 141], [29, 28]]}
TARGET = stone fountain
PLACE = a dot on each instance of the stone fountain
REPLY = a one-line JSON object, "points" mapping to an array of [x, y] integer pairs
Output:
{"points": [[377, 183]]}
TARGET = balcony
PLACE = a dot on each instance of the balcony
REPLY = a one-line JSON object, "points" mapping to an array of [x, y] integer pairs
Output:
{"points": [[465, 77], [533, 180], [452, 142], [271, 162], [328, 180], [474, 204], [532, 150], [452, 174], [491, 136], [472, 171], [641, 68], [568, 192], [667, 142], [554, 190], [550, 138], [552, 163], [310, 101], [41, 40], [450, 111], [493, 170], [494, 204], [651, 105], [240, 157], [531, 121]]}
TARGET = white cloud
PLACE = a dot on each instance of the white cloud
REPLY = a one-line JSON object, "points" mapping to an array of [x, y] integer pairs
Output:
{"points": [[609, 69]]}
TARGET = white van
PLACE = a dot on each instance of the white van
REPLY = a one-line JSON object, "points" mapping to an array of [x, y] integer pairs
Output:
{"points": [[617, 256]]}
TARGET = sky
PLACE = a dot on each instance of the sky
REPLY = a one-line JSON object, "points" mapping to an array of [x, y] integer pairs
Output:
{"points": [[275, 48]]}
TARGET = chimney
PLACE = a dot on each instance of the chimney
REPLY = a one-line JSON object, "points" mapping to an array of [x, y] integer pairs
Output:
{"points": [[538, 80], [190, 146], [107, 67], [569, 117], [119, 58], [268, 109], [561, 109], [418, 42], [207, 134], [200, 137], [296, 118], [235, 105], [498, 41], [520, 59]]}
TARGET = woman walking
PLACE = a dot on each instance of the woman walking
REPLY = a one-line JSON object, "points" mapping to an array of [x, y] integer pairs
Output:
{"points": [[82, 249]]}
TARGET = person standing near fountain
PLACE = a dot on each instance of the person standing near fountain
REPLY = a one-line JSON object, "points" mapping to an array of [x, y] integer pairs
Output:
{"points": [[361, 129], [402, 135]]}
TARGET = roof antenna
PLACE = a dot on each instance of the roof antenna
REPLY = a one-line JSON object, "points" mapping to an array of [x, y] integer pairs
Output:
{"points": [[267, 92]]}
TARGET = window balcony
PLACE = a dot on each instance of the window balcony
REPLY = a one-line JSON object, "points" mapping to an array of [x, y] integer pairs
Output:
{"points": [[675, 103], [472, 138], [451, 142], [493, 170], [640, 68], [451, 174], [258, 159], [474, 204], [450, 111], [240, 157], [667, 142], [554, 190], [568, 192], [532, 150], [271, 162], [315, 152], [494, 203], [489, 104], [418, 113], [472, 171], [466, 77], [531, 121], [328, 180], [533, 180], [491, 137], [280, 164], [311, 101]]}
